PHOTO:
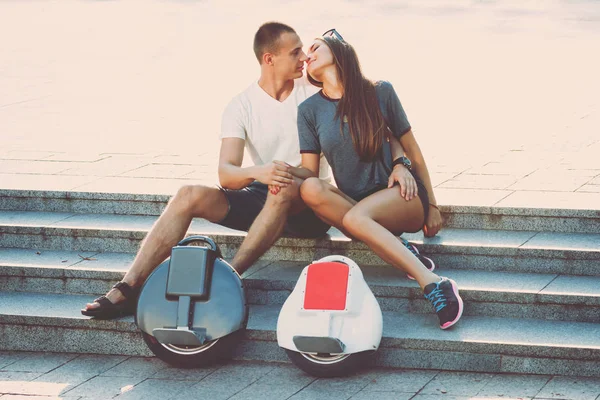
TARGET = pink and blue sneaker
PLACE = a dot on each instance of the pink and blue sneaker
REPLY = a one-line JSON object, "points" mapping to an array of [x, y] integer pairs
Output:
{"points": [[426, 261], [446, 301]]}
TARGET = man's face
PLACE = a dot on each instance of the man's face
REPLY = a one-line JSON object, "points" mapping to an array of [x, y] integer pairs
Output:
{"points": [[289, 61]]}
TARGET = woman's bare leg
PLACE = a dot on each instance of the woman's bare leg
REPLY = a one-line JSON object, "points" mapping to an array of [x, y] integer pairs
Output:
{"points": [[371, 221], [374, 218], [327, 202]]}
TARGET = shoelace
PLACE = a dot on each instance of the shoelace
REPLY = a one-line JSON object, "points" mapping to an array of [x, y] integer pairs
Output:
{"points": [[437, 298], [410, 247]]}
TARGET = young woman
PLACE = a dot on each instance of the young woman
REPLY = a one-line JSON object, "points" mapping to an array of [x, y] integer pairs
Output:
{"points": [[350, 120]]}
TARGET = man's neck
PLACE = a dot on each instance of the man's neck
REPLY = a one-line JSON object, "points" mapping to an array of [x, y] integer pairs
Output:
{"points": [[279, 89]]}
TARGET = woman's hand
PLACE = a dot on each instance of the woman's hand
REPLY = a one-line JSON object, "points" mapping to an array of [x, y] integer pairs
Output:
{"points": [[276, 173], [433, 223], [408, 185]]}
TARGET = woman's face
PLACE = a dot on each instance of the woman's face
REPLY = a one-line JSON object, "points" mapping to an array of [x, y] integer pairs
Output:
{"points": [[320, 58]]}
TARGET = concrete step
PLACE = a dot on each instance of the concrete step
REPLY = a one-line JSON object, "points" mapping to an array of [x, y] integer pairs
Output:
{"points": [[491, 250], [497, 294], [82, 202], [544, 216], [51, 322], [493, 294]]}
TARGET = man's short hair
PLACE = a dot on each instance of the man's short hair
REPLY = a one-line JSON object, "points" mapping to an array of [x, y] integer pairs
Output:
{"points": [[267, 37]]}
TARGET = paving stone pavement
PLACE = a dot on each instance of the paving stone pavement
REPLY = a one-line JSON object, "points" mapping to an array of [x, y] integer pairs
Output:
{"points": [[128, 108], [33, 376], [535, 184]]}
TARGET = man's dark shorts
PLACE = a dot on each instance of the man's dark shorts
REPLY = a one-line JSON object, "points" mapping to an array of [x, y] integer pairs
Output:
{"points": [[245, 204]]}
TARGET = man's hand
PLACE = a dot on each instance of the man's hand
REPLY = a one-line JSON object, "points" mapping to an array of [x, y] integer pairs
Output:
{"points": [[433, 223], [408, 185], [275, 174]]}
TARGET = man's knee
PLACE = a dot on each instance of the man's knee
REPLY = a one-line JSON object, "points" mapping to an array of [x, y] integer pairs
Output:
{"points": [[192, 199], [312, 191], [286, 195]]}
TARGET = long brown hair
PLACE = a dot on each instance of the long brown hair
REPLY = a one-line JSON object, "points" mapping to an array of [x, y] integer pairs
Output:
{"points": [[359, 104]]}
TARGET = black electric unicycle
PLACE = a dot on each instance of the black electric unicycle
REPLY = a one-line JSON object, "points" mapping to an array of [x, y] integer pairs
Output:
{"points": [[192, 309]]}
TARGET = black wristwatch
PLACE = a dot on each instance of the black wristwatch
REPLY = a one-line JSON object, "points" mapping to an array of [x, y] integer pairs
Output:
{"points": [[403, 161]]}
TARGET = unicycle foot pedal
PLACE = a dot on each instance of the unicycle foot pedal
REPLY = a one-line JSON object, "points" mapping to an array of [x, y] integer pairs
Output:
{"points": [[318, 344], [184, 337]]}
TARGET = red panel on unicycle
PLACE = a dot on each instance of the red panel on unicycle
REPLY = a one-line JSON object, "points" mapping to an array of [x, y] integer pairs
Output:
{"points": [[326, 286]]}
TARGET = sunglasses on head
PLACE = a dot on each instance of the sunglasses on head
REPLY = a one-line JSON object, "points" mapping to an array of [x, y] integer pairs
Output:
{"points": [[333, 33]]}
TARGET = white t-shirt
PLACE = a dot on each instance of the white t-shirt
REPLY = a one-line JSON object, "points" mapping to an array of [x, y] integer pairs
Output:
{"points": [[269, 126]]}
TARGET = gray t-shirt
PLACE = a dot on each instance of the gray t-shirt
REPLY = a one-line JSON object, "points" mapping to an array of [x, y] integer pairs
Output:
{"points": [[319, 131]]}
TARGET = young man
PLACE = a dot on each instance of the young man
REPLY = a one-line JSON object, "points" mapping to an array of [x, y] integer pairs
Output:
{"points": [[263, 119]]}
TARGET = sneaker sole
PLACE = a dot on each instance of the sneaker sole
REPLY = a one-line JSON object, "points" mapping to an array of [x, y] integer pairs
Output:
{"points": [[430, 270], [460, 307]]}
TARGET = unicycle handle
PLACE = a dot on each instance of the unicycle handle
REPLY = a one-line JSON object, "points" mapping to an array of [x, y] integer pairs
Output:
{"points": [[199, 238]]}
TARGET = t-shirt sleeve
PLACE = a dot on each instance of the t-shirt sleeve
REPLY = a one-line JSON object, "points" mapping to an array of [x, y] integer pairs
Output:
{"points": [[233, 121], [307, 133], [395, 115]]}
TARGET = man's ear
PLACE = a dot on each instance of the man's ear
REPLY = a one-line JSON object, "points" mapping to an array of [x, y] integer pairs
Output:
{"points": [[267, 59]]}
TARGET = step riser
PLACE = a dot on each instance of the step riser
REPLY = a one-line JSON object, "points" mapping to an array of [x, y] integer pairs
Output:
{"points": [[73, 243], [524, 264], [405, 301], [444, 360], [136, 205], [83, 206], [516, 260], [472, 307], [57, 339], [521, 223], [517, 350], [71, 340], [65, 285]]}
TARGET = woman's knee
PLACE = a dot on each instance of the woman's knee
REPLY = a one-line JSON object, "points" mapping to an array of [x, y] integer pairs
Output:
{"points": [[354, 220], [312, 191]]}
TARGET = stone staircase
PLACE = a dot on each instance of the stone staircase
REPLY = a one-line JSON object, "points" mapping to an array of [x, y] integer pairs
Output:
{"points": [[529, 279]]}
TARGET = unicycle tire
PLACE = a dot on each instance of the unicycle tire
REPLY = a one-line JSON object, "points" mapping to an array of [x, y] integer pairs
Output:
{"points": [[195, 356], [328, 365]]}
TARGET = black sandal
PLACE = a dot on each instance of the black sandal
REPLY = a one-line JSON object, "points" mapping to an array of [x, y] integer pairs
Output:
{"points": [[110, 310]]}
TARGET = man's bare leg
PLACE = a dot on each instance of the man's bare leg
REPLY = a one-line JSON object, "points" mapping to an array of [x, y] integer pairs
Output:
{"points": [[268, 225], [189, 202]]}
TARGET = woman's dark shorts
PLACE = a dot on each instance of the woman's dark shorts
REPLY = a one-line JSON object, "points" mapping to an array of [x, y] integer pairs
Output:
{"points": [[245, 204], [421, 191]]}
